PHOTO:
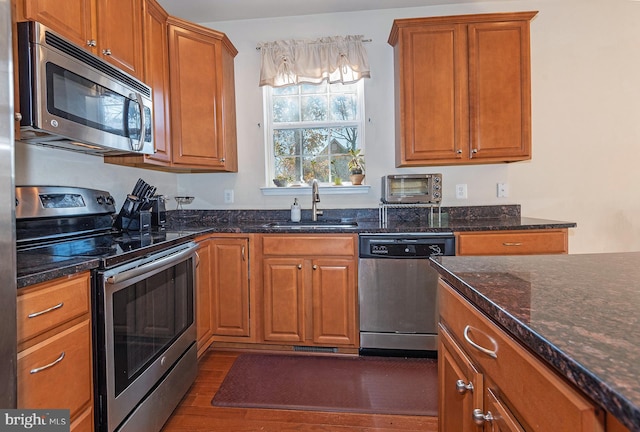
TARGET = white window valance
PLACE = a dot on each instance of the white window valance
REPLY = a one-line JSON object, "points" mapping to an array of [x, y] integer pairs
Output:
{"points": [[334, 59]]}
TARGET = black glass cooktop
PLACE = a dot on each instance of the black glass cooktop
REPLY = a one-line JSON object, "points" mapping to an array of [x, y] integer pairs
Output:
{"points": [[110, 248]]}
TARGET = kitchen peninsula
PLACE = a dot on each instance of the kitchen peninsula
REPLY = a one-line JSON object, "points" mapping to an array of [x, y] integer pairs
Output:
{"points": [[577, 313]]}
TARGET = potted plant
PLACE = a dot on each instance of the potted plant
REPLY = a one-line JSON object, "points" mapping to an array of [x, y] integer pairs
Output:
{"points": [[356, 166], [337, 180], [281, 180]]}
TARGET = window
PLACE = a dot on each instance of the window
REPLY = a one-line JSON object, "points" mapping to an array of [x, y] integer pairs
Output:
{"points": [[310, 129]]}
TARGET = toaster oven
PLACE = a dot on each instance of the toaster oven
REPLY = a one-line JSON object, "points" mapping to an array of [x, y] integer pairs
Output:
{"points": [[412, 188]]}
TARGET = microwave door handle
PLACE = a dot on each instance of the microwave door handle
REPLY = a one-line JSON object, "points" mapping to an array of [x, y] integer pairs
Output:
{"points": [[143, 125]]}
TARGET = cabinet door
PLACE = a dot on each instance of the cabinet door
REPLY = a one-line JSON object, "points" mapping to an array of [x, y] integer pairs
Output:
{"points": [[230, 287], [69, 18], [119, 29], [58, 371], [498, 417], [500, 90], [334, 302], [283, 299], [196, 89], [430, 78], [204, 316], [460, 387], [156, 74]]}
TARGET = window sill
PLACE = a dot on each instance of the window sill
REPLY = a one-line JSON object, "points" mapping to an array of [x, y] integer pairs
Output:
{"points": [[324, 190]]}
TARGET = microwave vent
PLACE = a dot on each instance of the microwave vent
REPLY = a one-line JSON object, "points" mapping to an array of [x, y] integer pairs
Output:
{"points": [[79, 54]]}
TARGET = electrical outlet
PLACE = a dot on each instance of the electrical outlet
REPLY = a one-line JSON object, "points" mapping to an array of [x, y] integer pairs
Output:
{"points": [[503, 190], [461, 191], [228, 196]]}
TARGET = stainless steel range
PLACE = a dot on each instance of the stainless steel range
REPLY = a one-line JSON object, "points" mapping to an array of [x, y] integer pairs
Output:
{"points": [[143, 300]]}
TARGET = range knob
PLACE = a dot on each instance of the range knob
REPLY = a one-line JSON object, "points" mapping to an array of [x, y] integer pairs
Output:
{"points": [[110, 200]]}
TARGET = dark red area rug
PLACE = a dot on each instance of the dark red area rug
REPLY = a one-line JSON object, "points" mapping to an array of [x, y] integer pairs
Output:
{"points": [[374, 385]]}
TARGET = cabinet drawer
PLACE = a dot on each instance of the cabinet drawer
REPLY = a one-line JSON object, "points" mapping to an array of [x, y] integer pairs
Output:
{"points": [[544, 401], [47, 379], [42, 307], [309, 245], [513, 242]]}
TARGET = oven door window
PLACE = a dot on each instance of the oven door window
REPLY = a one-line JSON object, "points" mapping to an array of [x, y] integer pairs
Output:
{"points": [[147, 317]]}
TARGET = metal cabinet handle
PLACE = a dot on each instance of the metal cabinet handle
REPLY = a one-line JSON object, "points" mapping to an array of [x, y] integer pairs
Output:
{"points": [[51, 309], [243, 255], [462, 388], [315, 267], [222, 160], [197, 259], [47, 366], [299, 266], [106, 52], [480, 418], [512, 244], [490, 353], [17, 116], [459, 151], [91, 43]]}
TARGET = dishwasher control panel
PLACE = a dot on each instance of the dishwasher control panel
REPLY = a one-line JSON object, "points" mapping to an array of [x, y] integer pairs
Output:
{"points": [[406, 246]]}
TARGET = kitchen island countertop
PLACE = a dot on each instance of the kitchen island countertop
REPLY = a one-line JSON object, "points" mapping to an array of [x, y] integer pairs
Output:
{"points": [[579, 313]]}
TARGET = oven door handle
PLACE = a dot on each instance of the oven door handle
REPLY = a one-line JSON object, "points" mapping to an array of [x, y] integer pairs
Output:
{"points": [[150, 267]]}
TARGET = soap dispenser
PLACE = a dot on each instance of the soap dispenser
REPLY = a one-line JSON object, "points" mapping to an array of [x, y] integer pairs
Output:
{"points": [[295, 211]]}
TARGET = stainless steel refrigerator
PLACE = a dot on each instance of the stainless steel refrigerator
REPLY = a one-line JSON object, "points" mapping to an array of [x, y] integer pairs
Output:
{"points": [[8, 335]]}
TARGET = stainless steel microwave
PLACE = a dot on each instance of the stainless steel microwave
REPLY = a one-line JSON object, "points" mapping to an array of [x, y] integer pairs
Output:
{"points": [[72, 99], [412, 188]]}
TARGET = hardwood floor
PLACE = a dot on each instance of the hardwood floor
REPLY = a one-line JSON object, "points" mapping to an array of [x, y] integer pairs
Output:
{"points": [[195, 413]]}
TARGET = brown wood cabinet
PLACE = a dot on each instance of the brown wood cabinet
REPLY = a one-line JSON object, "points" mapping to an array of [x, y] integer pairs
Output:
{"points": [[517, 242], [194, 100], [156, 73], [463, 89], [223, 294], [310, 290], [111, 29], [486, 377], [54, 348], [203, 112]]}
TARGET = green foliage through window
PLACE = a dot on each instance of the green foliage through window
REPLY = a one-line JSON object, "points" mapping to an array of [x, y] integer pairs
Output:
{"points": [[312, 130]]}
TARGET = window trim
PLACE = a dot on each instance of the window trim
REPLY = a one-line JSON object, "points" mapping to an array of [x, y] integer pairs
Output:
{"points": [[270, 188]]}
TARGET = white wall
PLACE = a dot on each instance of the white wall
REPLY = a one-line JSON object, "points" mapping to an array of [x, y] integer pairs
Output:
{"points": [[586, 121], [42, 166]]}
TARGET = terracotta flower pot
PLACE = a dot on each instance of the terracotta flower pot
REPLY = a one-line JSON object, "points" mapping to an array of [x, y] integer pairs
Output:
{"points": [[356, 179]]}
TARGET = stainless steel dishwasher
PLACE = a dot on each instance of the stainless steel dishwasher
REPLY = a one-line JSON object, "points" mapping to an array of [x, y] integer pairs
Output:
{"points": [[397, 292]]}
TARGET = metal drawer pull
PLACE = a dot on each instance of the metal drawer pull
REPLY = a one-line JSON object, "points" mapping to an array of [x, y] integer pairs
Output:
{"points": [[512, 244], [53, 363], [490, 353], [52, 308], [462, 388], [480, 418]]}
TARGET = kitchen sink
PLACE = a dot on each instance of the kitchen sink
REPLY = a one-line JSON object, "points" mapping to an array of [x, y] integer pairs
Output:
{"points": [[320, 224]]}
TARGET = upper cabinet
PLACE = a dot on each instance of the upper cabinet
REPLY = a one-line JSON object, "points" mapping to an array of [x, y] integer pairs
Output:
{"points": [[111, 29], [191, 71], [463, 89], [203, 111]]}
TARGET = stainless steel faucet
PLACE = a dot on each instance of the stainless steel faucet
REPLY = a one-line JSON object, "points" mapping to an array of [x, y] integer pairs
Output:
{"points": [[315, 198]]}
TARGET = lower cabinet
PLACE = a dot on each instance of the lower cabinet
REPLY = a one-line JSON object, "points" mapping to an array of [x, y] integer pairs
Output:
{"points": [[309, 290], [54, 348], [223, 291], [489, 382], [513, 242]]}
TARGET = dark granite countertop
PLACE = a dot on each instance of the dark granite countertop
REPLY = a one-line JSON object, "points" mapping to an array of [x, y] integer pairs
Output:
{"points": [[186, 224], [579, 313]]}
